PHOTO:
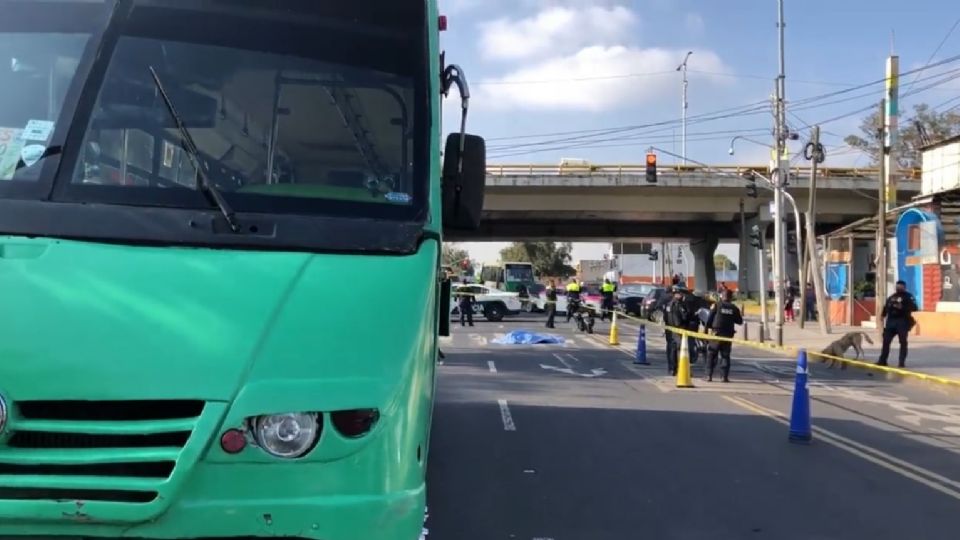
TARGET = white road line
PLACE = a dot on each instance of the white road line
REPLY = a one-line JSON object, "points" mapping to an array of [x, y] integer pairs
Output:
{"points": [[508, 424], [492, 366], [562, 360], [903, 468]]}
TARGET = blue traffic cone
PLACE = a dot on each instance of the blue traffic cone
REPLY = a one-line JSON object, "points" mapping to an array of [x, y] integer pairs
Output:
{"points": [[800, 430], [641, 358]]}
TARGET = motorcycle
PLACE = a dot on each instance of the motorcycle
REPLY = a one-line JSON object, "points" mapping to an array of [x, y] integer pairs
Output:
{"points": [[582, 315]]}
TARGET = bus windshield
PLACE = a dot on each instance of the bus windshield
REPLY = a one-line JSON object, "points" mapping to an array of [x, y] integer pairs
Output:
{"points": [[521, 273], [41, 46], [307, 110]]}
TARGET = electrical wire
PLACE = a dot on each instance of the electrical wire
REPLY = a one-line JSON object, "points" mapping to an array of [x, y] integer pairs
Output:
{"points": [[935, 51], [742, 110]]}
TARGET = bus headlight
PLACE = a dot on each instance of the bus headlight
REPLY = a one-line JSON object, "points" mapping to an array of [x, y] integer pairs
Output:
{"points": [[290, 435]]}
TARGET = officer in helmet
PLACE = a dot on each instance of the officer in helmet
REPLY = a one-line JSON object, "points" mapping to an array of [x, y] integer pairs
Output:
{"points": [[722, 322]]}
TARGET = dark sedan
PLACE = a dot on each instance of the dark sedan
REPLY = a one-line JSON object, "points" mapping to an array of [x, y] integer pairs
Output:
{"points": [[630, 297]]}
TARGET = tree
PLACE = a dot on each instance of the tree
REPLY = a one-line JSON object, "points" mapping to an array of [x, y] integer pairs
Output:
{"points": [[933, 125], [548, 258], [722, 262], [454, 255]]}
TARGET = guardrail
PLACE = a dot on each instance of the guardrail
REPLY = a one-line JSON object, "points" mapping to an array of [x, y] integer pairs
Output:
{"points": [[626, 169]]}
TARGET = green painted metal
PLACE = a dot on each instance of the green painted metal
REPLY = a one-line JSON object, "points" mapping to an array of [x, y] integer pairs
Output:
{"points": [[248, 333]]}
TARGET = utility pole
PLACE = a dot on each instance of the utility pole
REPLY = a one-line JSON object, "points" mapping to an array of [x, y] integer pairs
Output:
{"points": [[881, 261], [683, 108], [762, 256], [811, 258], [743, 283], [781, 135]]}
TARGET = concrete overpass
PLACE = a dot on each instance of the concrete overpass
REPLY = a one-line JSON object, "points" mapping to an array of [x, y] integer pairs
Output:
{"points": [[699, 204]]}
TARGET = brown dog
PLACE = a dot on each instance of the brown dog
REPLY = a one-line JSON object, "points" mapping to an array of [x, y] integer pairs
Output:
{"points": [[842, 345]]}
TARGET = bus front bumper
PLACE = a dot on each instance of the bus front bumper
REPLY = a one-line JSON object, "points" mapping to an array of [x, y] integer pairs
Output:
{"points": [[222, 507]]}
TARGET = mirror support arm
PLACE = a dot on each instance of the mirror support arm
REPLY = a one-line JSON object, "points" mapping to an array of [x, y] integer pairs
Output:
{"points": [[454, 75]]}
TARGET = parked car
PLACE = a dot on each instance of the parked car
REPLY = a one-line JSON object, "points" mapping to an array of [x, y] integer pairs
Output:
{"points": [[590, 293], [630, 297], [652, 306], [493, 304]]}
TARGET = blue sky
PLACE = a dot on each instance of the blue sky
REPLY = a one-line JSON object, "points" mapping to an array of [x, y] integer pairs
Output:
{"points": [[539, 67]]}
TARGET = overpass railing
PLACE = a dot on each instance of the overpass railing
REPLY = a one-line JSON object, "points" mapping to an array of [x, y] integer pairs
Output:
{"points": [[621, 170]]}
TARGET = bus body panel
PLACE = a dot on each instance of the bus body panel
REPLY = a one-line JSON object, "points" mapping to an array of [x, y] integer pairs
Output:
{"points": [[249, 333]]}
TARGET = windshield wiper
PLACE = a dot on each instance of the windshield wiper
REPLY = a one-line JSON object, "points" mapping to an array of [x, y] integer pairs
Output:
{"points": [[190, 147]]}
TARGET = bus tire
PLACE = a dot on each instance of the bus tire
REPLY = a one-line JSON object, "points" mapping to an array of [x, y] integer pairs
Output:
{"points": [[494, 312]]}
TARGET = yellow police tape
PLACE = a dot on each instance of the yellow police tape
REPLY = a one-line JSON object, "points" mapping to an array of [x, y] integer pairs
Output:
{"points": [[810, 354], [782, 349]]}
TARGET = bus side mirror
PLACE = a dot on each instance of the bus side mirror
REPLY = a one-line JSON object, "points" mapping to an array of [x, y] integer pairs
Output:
{"points": [[464, 180]]}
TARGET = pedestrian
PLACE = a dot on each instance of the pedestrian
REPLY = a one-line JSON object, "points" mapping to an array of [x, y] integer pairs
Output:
{"points": [[573, 297], [465, 303], [811, 307], [898, 320], [551, 303], [606, 304], [722, 322], [789, 295]]}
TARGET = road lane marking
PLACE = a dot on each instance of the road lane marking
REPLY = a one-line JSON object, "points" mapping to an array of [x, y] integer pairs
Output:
{"points": [[492, 366], [562, 360], [508, 424], [865, 452]]}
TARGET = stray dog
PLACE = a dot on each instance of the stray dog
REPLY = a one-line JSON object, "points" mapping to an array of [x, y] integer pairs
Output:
{"points": [[842, 345]]}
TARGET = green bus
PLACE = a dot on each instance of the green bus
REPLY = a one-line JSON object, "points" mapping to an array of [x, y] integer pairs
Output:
{"points": [[185, 185], [509, 276]]}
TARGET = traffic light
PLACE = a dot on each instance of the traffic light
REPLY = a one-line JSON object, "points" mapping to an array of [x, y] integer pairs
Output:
{"points": [[651, 168], [755, 239], [792, 242], [751, 185]]}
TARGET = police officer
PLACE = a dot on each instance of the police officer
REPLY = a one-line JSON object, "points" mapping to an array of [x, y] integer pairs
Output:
{"points": [[606, 305], [551, 303], [465, 303], [898, 321], [674, 315], [722, 322], [573, 297]]}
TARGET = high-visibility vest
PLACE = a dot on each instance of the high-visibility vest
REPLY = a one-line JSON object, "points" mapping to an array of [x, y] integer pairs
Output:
{"points": [[608, 288], [573, 287]]}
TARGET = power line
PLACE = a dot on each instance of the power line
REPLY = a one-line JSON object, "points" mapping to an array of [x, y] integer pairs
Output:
{"points": [[508, 82], [660, 133], [940, 46], [609, 130], [506, 152], [747, 109]]}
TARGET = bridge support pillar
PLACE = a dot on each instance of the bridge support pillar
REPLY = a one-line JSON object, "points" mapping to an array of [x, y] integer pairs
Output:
{"points": [[749, 282], [703, 266]]}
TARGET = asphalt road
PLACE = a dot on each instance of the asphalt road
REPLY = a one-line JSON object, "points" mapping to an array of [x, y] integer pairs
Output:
{"points": [[573, 441]]}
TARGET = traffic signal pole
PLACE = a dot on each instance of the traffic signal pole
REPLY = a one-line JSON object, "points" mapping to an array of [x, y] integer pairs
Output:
{"points": [[781, 179]]}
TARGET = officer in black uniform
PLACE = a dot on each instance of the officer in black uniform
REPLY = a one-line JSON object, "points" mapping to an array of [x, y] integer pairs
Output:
{"points": [[465, 303], [674, 315], [551, 303], [898, 321], [722, 321]]}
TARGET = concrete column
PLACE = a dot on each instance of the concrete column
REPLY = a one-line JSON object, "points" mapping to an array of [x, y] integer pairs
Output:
{"points": [[748, 264], [703, 267]]}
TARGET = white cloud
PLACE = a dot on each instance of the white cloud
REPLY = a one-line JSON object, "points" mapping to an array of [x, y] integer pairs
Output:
{"points": [[456, 7], [556, 30], [595, 78]]}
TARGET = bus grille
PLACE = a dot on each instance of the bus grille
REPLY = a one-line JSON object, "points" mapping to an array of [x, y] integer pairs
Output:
{"points": [[113, 451]]}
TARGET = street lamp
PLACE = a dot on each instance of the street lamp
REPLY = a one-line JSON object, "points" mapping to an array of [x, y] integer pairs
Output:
{"points": [[734, 141]]}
